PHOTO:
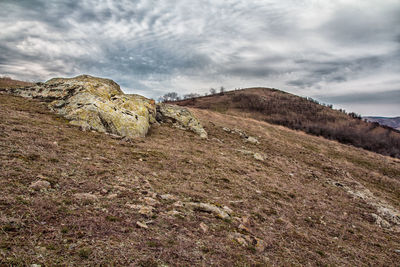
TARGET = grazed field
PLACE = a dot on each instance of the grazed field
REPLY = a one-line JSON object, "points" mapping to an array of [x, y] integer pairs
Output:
{"points": [[309, 202]]}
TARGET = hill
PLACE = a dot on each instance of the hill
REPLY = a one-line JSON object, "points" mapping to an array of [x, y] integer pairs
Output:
{"points": [[251, 194], [7, 82], [278, 107], [390, 122]]}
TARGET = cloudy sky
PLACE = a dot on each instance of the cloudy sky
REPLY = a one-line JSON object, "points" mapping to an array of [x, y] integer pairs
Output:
{"points": [[344, 52]]}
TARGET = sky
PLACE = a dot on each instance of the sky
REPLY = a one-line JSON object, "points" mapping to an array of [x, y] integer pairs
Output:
{"points": [[340, 52]]}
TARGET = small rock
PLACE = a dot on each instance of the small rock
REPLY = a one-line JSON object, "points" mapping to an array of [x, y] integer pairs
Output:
{"points": [[150, 201], [112, 196], [226, 129], [104, 191], [173, 213], [36, 265], [203, 227], [258, 156], [142, 225], [243, 228], [227, 209], [220, 213], [259, 244], [252, 140], [397, 251], [167, 197], [381, 222], [86, 197], [146, 211], [241, 241], [178, 204], [39, 185]]}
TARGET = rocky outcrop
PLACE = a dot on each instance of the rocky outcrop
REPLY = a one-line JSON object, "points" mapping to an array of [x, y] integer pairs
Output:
{"points": [[99, 104], [180, 117], [95, 104]]}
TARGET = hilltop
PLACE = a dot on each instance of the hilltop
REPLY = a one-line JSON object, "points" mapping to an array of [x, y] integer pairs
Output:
{"points": [[298, 113], [250, 193]]}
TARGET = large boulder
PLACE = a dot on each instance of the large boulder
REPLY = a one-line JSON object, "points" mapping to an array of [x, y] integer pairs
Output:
{"points": [[180, 117], [95, 104]]}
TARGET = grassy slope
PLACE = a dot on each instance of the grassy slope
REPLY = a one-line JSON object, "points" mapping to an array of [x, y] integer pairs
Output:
{"points": [[10, 83], [301, 218], [298, 113]]}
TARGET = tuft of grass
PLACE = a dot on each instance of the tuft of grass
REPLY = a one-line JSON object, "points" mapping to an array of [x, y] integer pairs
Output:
{"points": [[84, 253]]}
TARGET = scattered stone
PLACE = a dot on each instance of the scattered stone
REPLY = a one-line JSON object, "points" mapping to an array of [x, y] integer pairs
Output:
{"points": [[241, 241], [167, 197], [112, 196], [258, 156], [228, 210], [86, 197], [397, 251], [380, 221], [36, 265], [178, 204], [240, 132], [174, 213], [181, 118], [245, 152], [146, 211], [226, 129], [259, 244], [243, 228], [252, 140], [142, 225], [143, 210], [220, 213], [40, 185], [150, 201], [104, 191], [203, 227]]}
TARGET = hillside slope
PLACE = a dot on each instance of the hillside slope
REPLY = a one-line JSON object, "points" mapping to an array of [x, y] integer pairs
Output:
{"points": [[278, 107], [76, 198], [6, 82]]}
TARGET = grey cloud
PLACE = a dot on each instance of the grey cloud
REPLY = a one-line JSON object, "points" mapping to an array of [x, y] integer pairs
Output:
{"points": [[154, 46], [387, 97]]}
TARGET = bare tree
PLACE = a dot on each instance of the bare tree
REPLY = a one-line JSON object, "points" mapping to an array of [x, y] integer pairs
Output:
{"points": [[171, 96], [213, 91]]}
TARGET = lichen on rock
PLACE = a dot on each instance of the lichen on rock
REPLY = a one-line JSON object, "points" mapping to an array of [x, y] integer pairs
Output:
{"points": [[95, 104], [180, 117]]}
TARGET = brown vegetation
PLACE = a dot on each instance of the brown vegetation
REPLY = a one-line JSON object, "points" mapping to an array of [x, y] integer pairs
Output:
{"points": [[7, 82], [303, 114], [293, 208]]}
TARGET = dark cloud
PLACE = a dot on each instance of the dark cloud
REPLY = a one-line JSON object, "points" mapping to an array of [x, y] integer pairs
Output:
{"points": [[386, 97], [153, 46]]}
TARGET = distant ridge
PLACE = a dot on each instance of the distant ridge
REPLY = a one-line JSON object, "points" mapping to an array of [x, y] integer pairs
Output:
{"points": [[390, 122], [305, 114]]}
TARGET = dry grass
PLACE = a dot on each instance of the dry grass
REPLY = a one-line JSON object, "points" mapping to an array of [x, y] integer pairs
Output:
{"points": [[302, 219], [6, 82], [298, 113]]}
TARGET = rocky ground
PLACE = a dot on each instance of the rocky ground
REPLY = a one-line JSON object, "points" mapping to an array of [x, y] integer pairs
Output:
{"points": [[250, 194]]}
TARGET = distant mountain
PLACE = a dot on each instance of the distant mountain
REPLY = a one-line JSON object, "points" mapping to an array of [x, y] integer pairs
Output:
{"points": [[305, 114], [390, 122]]}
